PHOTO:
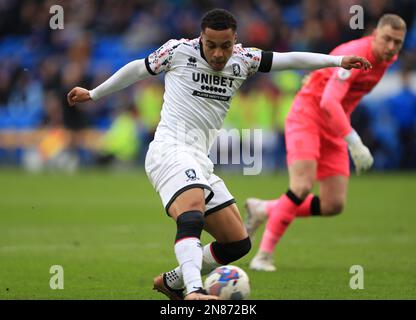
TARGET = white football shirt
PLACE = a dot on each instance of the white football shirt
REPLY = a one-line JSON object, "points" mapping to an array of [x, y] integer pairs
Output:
{"points": [[197, 98]]}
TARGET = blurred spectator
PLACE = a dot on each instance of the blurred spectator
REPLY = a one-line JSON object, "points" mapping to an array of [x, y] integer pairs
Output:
{"points": [[51, 152], [25, 101], [119, 145], [403, 110]]}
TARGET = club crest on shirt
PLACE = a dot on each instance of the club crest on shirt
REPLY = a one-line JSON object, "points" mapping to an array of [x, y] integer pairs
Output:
{"points": [[191, 174], [344, 74], [236, 69]]}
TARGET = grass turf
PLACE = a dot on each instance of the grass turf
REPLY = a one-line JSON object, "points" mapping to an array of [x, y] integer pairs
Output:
{"points": [[110, 234]]}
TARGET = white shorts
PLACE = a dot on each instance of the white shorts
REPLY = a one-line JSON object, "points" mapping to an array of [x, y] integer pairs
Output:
{"points": [[173, 169]]}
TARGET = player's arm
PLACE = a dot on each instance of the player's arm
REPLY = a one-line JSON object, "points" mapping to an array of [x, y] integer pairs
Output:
{"points": [[124, 77], [309, 61], [331, 106], [158, 61]]}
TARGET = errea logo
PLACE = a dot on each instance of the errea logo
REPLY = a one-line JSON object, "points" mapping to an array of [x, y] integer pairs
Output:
{"points": [[191, 62]]}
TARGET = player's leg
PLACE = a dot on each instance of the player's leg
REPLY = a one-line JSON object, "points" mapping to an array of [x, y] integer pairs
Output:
{"points": [[332, 172], [231, 243], [331, 200], [302, 174], [333, 175], [302, 135], [187, 210], [259, 210], [183, 188], [190, 200], [231, 238], [224, 223], [333, 195]]}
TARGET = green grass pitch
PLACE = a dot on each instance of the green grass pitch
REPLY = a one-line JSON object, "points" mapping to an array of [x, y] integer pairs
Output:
{"points": [[111, 236]]}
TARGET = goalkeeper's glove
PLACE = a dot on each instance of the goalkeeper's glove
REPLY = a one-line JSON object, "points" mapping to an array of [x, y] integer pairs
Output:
{"points": [[361, 156]]}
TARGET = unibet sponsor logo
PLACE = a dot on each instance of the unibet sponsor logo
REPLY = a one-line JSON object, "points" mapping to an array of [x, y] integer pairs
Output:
{"points": [[215, 85], [212, 79]]}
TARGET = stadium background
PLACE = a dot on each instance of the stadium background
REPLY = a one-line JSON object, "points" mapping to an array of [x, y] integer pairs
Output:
{"points": [[107, 227]]}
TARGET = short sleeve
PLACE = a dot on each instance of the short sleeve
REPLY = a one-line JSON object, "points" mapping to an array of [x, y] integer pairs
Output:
{"points": [[161, 59]]}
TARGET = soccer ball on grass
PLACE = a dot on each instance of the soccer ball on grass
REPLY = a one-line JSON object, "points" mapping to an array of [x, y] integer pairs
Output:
{"points": [[228, 282]]}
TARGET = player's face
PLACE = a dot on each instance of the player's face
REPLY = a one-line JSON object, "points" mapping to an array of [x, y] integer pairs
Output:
{"points": [[218, 46], [387, 42]]}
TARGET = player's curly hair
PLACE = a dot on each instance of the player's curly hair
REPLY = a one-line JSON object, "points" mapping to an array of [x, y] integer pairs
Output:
{"points": [[218, 19]]}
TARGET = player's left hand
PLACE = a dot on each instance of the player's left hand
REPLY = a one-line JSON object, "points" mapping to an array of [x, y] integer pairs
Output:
{"points": [[362, 158], [360, 154], [355, 62]]}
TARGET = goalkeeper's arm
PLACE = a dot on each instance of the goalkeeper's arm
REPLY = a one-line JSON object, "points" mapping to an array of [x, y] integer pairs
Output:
{"points": [[360, 154], [331, 107]]}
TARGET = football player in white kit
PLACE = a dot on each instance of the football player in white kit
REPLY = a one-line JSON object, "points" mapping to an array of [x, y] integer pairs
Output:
{"points": [[201, 77]]}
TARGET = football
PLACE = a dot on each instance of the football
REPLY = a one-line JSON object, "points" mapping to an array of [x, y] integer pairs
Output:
{"points": [[229, 283]]}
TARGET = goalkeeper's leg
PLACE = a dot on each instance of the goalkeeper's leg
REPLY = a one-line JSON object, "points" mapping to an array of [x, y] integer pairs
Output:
{"points": [[331, 202]]}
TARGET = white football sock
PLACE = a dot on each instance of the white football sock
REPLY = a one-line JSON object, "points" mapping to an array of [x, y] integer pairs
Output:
{"points": [[174, 278], [189, 255]]}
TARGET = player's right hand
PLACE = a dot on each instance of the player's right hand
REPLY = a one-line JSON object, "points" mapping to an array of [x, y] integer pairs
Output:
{"points": [[355, 62], [77, 95]]}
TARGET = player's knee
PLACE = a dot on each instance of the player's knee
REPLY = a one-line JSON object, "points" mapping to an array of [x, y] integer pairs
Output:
{"points": [[232, 251], [189, 224], [301, 190], [332, 208], [337, 208]]}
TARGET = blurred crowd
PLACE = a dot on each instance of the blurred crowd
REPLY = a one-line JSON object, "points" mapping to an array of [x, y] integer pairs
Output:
{"points": [[38, 66]]}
